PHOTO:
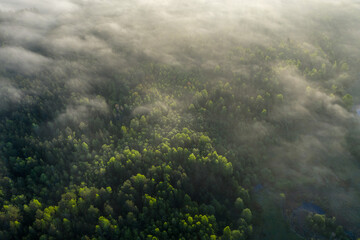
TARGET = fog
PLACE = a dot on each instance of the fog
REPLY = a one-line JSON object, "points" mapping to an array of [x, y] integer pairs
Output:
{"points": [[85, 44]]}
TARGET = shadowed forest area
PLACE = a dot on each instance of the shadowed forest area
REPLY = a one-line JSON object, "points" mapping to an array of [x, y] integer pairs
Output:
{"points": [[170, 119]]}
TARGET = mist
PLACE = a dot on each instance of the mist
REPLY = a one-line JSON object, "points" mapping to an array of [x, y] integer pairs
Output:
{"points": [[282, 70]]}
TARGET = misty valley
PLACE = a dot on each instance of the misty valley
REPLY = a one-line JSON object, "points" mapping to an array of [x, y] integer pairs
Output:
{"points": [[146, 119]]}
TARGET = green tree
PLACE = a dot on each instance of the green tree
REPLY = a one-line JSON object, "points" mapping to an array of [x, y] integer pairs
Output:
{"points": [[247, 215], [226, 233]]}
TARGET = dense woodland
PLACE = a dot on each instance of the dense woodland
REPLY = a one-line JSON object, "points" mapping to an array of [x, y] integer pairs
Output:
{"points": [[157, 150]]}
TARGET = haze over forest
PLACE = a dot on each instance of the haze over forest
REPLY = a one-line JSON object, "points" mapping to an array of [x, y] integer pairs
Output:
{"points": [[170, 119]]}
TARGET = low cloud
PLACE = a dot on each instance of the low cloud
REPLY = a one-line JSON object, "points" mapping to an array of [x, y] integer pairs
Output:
{"points": [[9, 95], [83, 110], [21, 60]]}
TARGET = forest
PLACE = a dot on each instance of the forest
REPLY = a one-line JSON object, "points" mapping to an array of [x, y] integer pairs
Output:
{"points": [[146, 119]]}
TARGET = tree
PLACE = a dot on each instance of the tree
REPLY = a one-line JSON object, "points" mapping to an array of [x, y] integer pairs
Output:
{"points": [[226, 233], [239, 204], [348, 101], [247, 215]]}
